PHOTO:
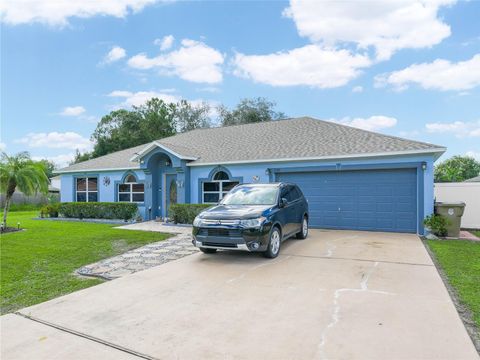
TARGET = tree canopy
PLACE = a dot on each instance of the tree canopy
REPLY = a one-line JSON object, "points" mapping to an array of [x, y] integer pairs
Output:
{"points": [[457, 169], [122, 129], [250, 111]]}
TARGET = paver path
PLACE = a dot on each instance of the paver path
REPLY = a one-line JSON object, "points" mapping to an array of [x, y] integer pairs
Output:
{"points": [[146, 256]]}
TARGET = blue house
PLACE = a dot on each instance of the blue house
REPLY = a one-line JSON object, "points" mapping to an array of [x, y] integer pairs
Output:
{"points": [[352, 178]]}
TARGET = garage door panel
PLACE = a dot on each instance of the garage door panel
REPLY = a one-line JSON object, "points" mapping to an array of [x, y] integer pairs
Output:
{"points": [[383, 200]]}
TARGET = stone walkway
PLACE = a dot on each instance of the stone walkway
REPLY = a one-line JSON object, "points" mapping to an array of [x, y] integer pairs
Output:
{"points": [[146, 256]]}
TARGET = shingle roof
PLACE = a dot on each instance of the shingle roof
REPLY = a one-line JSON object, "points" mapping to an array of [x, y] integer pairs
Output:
{"points": [[283, 139]]}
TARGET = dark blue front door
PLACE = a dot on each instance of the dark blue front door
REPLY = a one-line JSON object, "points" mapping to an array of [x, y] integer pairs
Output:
{"points": [[379, 200]]}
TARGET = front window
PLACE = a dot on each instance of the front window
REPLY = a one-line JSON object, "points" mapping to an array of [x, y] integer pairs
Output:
{"points": [[131, 190], [252, 195], [214, 190], [86, 189]]}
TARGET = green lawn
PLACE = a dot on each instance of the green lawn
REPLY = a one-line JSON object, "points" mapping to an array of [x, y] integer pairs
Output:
{"points": [[37, 264], [476, 233], [460, 260]]}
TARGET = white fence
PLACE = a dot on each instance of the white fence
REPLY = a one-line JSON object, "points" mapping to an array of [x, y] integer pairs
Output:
{"points": [[469, 193]]}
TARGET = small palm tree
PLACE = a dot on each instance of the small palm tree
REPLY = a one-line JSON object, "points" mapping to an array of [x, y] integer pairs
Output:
{"points": [[22, 172]]}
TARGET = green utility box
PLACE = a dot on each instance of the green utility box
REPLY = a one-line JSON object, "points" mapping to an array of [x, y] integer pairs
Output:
{"points": [[453, 211]]}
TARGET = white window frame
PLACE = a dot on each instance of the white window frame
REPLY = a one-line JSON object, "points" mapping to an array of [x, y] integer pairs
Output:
{"points": [[220, 191], [130, 192], [87, 191]]}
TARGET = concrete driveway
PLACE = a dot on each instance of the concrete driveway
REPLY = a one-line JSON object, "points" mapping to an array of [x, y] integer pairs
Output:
{"points": [[337, 295]]}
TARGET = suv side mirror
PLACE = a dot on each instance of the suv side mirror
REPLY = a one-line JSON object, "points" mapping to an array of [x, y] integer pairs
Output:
{"points": [[283, 202]]}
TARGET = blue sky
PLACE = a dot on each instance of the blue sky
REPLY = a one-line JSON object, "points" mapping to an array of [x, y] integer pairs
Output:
{"points": [[408, 68]]}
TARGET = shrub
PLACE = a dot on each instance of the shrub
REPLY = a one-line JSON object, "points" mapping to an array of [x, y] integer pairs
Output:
{"points": [[24, 207], [185, 213], [437, 224], [50, 210], [99, 210]]}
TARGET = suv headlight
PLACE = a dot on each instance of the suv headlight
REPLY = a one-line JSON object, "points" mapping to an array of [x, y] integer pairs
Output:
{"points": [[197, 221], [253, 222]]}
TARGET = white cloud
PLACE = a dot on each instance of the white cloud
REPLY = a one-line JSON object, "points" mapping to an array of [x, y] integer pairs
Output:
{"points": [[194, 61], [438, 75], [165, 43], [3, 146], [458, 128], [474, 154], [357, 89], [60, 161], [72, 111], [409, 134], [140, 97], [387, 26], [373, 123], [115, 54], [57, 12], [56, 140], [310, 65]]}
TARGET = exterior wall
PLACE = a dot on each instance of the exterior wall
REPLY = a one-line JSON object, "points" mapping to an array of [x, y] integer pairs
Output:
{"points": [[106, 192], [188, 178], [469, 193], [261, 170]]}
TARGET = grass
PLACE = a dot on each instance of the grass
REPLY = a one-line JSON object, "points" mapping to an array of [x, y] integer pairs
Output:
{"points": [[476, 233], [460, 260], [37, 264]]}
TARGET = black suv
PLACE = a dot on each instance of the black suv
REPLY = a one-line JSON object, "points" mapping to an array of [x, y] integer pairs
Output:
{"points": [[253, 217]]}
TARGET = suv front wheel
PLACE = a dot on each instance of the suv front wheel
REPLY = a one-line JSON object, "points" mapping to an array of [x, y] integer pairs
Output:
{"points": [[274, 244]]}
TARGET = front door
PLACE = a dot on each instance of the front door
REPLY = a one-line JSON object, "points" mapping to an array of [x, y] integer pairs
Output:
{"points": [[170, 191]]}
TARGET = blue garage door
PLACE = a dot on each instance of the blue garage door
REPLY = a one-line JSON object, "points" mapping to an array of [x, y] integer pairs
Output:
{"points": [[379, 200]]}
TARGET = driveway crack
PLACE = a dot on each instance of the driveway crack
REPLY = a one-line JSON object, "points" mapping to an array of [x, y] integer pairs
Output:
{"points": [[335, 317]]}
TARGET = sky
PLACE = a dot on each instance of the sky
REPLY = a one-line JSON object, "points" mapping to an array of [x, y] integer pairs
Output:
{"points": [[403, 68]]}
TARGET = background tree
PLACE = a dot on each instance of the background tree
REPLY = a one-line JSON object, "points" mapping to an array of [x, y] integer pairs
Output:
{"points": [[457, 169], [189, 117], [249, 111], [122, 129], [20, 171], [49, 167], [79, 157]]}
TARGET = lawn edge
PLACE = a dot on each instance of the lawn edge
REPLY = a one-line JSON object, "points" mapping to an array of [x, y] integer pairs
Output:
{"points": [[463, 311]]}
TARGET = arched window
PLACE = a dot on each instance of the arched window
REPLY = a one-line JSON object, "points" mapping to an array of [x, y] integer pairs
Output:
{"points": [[214, 189], [131, 190]]}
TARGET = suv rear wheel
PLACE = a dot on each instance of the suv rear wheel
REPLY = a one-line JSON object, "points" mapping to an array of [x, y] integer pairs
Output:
{"points": [[208, 250], [274, 244]]}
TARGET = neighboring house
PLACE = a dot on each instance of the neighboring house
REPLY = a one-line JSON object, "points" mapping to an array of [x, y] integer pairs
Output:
{"points": [[55, 183], [352, 179]]}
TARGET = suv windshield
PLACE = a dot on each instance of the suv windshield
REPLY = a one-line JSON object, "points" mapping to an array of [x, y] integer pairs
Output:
{"points": [[251, 195]]}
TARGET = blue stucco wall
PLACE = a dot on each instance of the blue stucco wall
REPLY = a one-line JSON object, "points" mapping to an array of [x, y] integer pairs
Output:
{"points": [[106, 193], [249, 171], [190, 176]]}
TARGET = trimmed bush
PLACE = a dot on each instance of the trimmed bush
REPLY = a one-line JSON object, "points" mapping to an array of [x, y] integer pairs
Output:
{"points": [[99, 210], [185, 213], [437, 224], [50, 210]]}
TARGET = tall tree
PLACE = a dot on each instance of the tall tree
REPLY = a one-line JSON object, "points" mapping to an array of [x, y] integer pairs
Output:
{"points": [[250, 111], [189, 117], [457, 169], [122, 129], [49, 167], [20, 171]]}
